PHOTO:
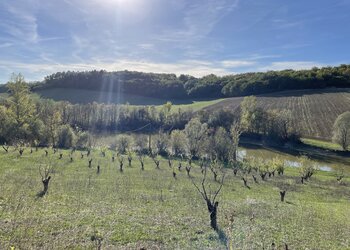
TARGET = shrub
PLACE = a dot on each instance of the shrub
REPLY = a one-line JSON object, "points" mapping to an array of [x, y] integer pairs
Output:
{"points": [[66, 137]]}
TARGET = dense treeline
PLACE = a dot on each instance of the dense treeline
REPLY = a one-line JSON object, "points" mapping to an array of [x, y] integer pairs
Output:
{"points": [[24, 118], [185, 86], [122, 118]]}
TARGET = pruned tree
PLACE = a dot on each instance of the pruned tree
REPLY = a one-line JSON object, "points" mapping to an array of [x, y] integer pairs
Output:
{"points": [[282, 194], [21, 151], [340, 176], [129, 158], [6, 147], [141, 158], [189, 166], [45, 171], [209, 197], [121, 162], [307, 168], [156, 160], [90, 162]]}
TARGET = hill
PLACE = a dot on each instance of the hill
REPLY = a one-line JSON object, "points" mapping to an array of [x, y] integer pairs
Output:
{"points": [[313, 111], [170, 86]]}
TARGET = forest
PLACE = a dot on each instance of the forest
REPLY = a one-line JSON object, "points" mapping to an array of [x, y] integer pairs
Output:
{"points": [[210, 86]]}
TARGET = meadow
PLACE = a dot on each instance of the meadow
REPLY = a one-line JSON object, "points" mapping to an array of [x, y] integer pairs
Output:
{"points": [[151, 209], [89, 96]]}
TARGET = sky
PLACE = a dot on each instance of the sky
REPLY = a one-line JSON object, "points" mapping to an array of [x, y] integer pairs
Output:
{"points": [[196, 37]]}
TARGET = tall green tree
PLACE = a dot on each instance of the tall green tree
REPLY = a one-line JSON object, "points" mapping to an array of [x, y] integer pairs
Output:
{"points": [[20, 105], [248, 112], [235, 132]]}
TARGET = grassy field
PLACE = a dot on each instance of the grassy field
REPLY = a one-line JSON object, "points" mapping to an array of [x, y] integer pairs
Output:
{"points": [[88, 96], [151, 210], [313, 111], [322, 144]]}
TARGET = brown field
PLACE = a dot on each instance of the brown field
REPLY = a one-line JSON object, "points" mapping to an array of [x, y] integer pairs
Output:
{"points": [[314, 111]]}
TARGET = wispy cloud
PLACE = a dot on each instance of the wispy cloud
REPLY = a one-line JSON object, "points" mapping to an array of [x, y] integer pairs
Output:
{"points": [[22, 26], [236, 63], [296, 65], [191, 67], [5, 45], [200, 18]]}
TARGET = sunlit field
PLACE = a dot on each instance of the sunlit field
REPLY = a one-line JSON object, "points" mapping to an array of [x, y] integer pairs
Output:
{"points": [[152, 209]]}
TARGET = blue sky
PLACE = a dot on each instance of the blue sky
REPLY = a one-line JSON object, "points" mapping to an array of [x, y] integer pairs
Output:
{"points": [[197, 37]]}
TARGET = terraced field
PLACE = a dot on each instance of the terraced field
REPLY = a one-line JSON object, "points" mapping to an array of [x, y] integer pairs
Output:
{"points": [[314, 111]]}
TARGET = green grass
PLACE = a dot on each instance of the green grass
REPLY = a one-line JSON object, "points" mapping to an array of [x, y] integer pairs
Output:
{"points": [[151, 209], [196, 105], [321, 144], [89, 96]]}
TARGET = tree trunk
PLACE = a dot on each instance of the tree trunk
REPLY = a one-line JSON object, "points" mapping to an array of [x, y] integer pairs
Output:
{"points": [[282, 193], [188, 171], [46, 185], [213, 214]]}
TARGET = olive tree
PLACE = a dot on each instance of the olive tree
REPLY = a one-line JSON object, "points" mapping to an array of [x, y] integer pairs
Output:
{"points": [[178, 142], [195, 132], [341, 130]]}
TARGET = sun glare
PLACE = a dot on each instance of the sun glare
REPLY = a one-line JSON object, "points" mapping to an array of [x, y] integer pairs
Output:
{"points": [[122, 4]]}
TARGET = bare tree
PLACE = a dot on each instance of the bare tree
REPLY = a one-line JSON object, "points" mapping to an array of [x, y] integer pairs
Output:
{"points": [[129, 158], [282, 194], [210, 198], [6, 147], [141, 158], [90, 161], [121, 162], [45, 178], [235, 132], [340, 176], [189, 166], [156, 160]]}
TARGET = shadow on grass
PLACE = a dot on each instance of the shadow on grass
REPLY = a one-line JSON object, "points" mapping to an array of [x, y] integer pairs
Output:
{"points": [[222, 237], [39, 195]]}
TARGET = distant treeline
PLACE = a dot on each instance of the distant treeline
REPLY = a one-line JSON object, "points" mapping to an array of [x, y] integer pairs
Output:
{"points": [[210, 86]]}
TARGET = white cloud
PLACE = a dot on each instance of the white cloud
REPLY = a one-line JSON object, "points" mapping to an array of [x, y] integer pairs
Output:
{"points": [[296, 65], [36, 71]]}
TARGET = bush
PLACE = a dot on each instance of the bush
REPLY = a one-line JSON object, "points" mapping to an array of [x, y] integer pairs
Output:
{"points": [[66, 137], [82, 141]]}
